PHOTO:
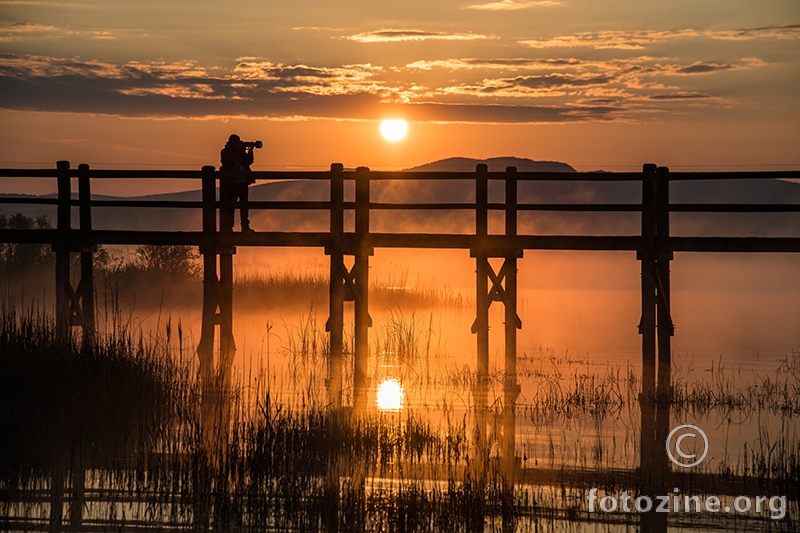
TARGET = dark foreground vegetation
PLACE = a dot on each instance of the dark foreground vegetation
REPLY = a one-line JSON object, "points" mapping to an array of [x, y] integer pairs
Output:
{"points": [[112, 434]]}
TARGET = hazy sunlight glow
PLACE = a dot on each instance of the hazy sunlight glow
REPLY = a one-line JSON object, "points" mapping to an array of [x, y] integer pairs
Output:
{"points": [[390, 395], [394, 130]]}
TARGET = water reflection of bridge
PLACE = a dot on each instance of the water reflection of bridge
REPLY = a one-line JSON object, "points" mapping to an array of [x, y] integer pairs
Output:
{"points": [[653, 245]]}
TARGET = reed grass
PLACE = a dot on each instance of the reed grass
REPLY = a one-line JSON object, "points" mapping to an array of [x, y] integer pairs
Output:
{"points": [[269, 289]]}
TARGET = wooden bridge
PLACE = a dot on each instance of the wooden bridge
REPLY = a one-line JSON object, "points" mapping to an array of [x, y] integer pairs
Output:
{"points": [[653, 244], [654, 247]]}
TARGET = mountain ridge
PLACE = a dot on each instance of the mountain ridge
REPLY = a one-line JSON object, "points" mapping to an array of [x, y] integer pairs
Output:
{"points": [[495, 164]]}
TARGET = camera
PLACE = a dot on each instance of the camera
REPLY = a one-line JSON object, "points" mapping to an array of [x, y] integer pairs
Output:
{"points": [[253, 144]]}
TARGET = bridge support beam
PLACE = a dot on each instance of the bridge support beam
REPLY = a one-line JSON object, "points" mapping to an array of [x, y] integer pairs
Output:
{"points": [[656, 328], [74, 307], [215, 372], [336, 286], [349, 285], [362, 321], [511, 387], [503, 289], [64, 292]]}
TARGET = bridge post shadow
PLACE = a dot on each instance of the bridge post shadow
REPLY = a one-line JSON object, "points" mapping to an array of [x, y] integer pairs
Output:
{"points": [[500, 286], [336, 285], [215, 368], [74, 307], [656, 328], [362, 320]]}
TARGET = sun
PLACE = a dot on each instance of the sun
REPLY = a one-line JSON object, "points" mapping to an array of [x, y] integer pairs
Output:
{"points": [[394, 130], [390, 395]]}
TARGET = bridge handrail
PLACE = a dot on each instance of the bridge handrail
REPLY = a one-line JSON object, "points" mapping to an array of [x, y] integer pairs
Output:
{"points": [[654, 204]]}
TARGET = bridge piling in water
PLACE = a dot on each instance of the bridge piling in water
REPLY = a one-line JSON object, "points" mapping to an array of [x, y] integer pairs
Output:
{"points": [[74, 306], [500, 286], [362, 320], [336, 285], [215, 369], [62, 249]]}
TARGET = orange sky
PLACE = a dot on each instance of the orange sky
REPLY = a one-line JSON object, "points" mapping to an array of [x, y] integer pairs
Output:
{"points": [[161, 84]]}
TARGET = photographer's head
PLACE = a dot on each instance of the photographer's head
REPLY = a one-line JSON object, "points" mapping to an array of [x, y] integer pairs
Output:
{"points": [[235, 142]]}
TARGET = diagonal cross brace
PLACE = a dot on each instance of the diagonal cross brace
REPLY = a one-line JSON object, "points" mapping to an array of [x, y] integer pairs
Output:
{"points": [[662, 297], [221, 311], [349, 285], [498, 293]]}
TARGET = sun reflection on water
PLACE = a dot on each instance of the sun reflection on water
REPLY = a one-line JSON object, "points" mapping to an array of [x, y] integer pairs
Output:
{"points": [[390, 395]]}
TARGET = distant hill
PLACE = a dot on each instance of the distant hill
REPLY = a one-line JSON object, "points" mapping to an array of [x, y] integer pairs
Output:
{"points": [[495, 164]]}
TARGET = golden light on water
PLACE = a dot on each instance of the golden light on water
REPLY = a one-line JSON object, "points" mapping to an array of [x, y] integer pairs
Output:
{"points": [[390, 395], [394, 130]]}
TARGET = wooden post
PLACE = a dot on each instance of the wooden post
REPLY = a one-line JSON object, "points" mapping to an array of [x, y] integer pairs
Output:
{"points": [[647, 325], [62, 249], [511, 278], [361, 270], [212, 403], [481, 327], [481, 268], [205, 349], [335, 325], [86, 286], [510, 386], [227, 346], [665, 327]]}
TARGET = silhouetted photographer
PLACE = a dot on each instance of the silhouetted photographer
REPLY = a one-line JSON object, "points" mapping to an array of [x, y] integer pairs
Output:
{"points": [[236, 158]]}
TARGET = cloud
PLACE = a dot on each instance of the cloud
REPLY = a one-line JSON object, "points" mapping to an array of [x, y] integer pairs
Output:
{"points": [[15, 31], [512, 5], [505, 63], [528, 86], [348, 79], [252, 88], [788, 31], [393, 35], [623, 40], [639, 39], [561, 80], [678, 96], [703, 68], [18, 31], [316, 28], [576, 90], [33, 66], [41, 3]]}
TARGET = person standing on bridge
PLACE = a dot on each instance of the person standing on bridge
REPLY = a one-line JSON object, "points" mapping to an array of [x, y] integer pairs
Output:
{"points": [[234, 187]]}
